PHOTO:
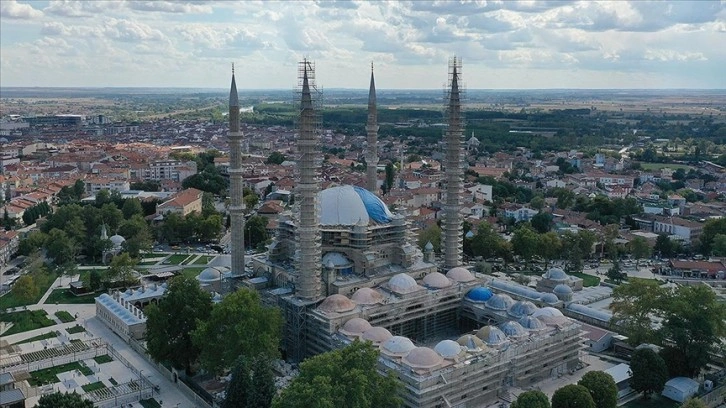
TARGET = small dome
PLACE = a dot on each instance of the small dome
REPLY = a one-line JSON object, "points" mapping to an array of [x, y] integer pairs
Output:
{"points": [[117, 240], [423, 357], [367, 296], [336, 304], [531, 323], [500, 301], [397, 346], [550, 298], [377, 335], [513, 329], [449, 349], [460, 274], [471, 342], [522, 308], [550, 316], [479, 294], [402, 284], [209, 275], [336, 258], [436, 280], [556, 274], [491, 335], [562, 289], [429, 246], [355, 327]]}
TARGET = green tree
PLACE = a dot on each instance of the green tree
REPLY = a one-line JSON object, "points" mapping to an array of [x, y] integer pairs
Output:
{"points": [[63, 400], [537, 202], [208, 205], [137, 234], [171, 322], [719, 245], [531, 399], [665, 247], [640, 249], [275, 158], [430, 234], [390, 175], [79, 189], [602, 388], [131, 207], [486, 243], [615, 273], [525, 243], [549, 246], [25, 289], [111, 216], [256, 231], [341, 378], [250, 201], [577, 247], [94, 280], [252, 384], [711, 229], [102, 197], [572, 396], [541, 222], [238, 326], [633, 309], [693, 403], [122, 268], [61, 247], [649, 372]]}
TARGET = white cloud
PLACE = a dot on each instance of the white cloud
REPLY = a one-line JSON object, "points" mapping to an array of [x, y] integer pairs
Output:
{"points": [[14, 10], [171, 6]]}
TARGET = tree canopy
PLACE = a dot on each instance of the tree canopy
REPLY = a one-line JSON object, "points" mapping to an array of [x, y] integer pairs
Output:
{"points": [[252, 384], [572, 396], [602, 388], [345, 377], [649, 372], [63, 400], [531, 399]]}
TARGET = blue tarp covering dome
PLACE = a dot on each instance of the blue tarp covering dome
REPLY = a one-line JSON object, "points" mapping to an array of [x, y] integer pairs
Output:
{"points": [[351, 205], [479, 294]]}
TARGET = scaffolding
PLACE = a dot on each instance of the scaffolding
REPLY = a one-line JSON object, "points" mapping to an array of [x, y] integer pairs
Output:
{"points": [[308, 253], [236, 207], [453, 231]]}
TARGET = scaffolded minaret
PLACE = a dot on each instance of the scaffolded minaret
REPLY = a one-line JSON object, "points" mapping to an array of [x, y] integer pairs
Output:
{"points": [[308, 255], [372, 133], [453, 162], [236, 207]]}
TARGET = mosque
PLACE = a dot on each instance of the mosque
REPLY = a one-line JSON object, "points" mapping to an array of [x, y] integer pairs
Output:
{"points": [[342, 266]]}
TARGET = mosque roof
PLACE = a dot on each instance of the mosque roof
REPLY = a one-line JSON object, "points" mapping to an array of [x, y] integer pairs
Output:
{"points": [[491, 335], [377, 335], [355, 327], [423, 357], [471, 342], [480, 294], [336, 304], [436, 280], [336, 258], [550, 298], [402, 283], [556, 274], [513, 329], [367, 296], [500, 301], [459, 274], [449, 349], [562, 289], [352, 205], [521, 308], [531, 323], [117, 240], [211, 274], [397, 346]]}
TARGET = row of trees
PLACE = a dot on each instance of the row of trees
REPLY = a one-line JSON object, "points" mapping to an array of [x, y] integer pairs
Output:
{"points": [[595, 389]]}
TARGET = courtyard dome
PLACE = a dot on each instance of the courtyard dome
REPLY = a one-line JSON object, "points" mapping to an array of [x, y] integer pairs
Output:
{"points": [[352, 205], [513, 329], [117, 240], [436, 280], [423, 358], [460, 274], [531, 323], [500, 301], [355, 327], [479, 294], [522, 308], [397, 346], [210, 274], [562, 289], [367, 296], [550, 316], [377, 335], [449, 349], [402, 283], [556, 274], [550, 298], [336, 304], [471, 342], [491, 335]]}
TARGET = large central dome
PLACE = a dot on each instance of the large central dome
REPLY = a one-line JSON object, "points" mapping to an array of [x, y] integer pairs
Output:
{"points": [[351, 205]]}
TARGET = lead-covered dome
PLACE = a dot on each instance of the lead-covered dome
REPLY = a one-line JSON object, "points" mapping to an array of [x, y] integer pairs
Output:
{"points": [[532, 323], [522, 308], [436, 280], [352, 205], [550, 316], [491, 335], [556, 274], [336, 304], [397, 346], [471, 342], [117, 241], [367, 296], [500, 301], [550, 298], [402, 283], [355, 327], [377, 335], [479, 294], [423, 358], [513, 329], [460, 274], [449, 349], [211, 274]]}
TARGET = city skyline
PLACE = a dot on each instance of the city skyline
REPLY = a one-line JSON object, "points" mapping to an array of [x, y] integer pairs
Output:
{"points": [[503, 45]]}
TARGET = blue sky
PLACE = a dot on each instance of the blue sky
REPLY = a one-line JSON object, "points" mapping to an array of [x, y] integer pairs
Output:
{"points": [[503, 44]]}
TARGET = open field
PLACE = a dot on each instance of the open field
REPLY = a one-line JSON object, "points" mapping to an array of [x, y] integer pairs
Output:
{"points": [[27, 320], [65, 296], [658, 166]]}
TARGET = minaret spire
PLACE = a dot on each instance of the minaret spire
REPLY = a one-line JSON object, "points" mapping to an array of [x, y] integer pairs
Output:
{"points": [[453, 224], [372, 138], [236, 207]]}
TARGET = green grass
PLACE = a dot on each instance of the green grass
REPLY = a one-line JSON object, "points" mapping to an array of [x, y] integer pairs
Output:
{"points": [[64, 316], [148, 255], [176, 259], [154, 262], [75, 329], [42, 281], [93, 386], [49, 335], [50, 375], [658, 166], [655, 401], [150, 403], [26, 320], [66, 297], [587, 280], [202, 260], [192, 272], [103, 359]]}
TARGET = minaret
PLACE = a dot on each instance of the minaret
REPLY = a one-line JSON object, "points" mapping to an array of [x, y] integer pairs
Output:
{"points": [[452, 226], [236, 207], [308, 255], [372, 138]]}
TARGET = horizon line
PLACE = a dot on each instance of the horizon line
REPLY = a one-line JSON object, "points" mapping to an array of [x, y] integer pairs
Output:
{"points": [[362, 89]]}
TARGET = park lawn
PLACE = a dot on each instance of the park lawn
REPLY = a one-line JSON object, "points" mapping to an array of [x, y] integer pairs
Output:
{"points": [[44, 336], [152, 262], [64, 316], [105, 358], [42, 280], [27, 320], [50, 375], [658, 166], [75, 329], [93, 386], [148, 255], [176, 259], [587, 280], [202, 260], [65, 296], [192, 272], [150, 403]]}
